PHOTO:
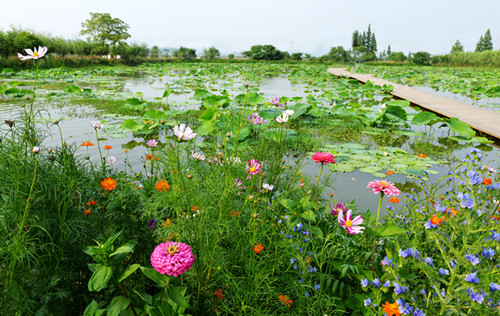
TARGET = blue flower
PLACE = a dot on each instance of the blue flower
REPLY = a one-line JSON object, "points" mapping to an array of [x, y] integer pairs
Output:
{"points": [[488, 253], [444, 271], [467, 204], [494, 287], [429, 261], [364, 283], [317, 287], [403, 253], [368, 302], [453, 263], [476, 296], [472, 259], [418, 312], [387, 262], [293, 260], [472, 278], [306, 294], [376, 282], [387, 283]]}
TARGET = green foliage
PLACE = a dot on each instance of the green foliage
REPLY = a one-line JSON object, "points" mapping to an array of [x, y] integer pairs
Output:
{"points": [[457, 48], [211, 53], [339, 54], [421, 58], [104, 30], [264, 52], [397, 56], [485, 42], [184, 52]]}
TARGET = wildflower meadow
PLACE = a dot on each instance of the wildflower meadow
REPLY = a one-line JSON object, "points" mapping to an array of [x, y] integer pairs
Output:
{"points": [[229, 209]]}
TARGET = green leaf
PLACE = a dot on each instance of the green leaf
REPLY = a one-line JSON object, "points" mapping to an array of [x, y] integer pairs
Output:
{"points": [[176, 295], [371, 232], [255, 98], [155, 115], [399, 103], [130, 269], [167, 93], [201, 94], [117, 305], [288, 204], [133, 102], [316, 232], [91, 309], [460, 127], [390, 230], [122, 251], [72, 89], [427, 118], [298, 109], [157, 277], [129, 124], [309, 215], [397, 112], [145, 297], [100, 278]]}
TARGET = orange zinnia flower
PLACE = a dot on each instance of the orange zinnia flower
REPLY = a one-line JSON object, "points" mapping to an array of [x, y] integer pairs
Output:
{"points": [[421, 156], [167, 223], [487, 181], [388, 173], [451, 211], [394, 199], [151, 157], [87, 212], [162, 186], [86, 144], [258, 248], [91, 202], [285, 300], [436, 220], [108, 184], [391, 309], [107, 147]]}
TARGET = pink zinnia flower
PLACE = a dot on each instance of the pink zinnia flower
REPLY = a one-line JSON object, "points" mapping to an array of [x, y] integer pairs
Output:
{"points": [[276, 101], [253, 167], [385, 186], [172, 258], [324, 158], [351, 224]]}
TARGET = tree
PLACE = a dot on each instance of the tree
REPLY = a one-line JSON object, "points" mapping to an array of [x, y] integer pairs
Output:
{"points": [[487, 41], [211, 53], [230, 56], [184, 52], [296, 56], [365, 39], [104, 30], [389, 52], [338, 54], [422, 58], [457, 47], [155, 52], [355, 39], [397, 56], [264, 52]]}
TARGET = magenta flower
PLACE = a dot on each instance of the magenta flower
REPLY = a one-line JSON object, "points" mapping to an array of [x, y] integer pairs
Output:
{"points": [[276, 101], [33, 54], [172, 258], [351, 224], [385, 186], [253, 167], [152, 143], [256, 119], [338, 208], [184, 132], [324, 158]]}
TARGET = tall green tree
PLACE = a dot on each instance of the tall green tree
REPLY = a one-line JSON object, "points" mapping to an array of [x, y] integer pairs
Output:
{"points": [[480, 44], [457, 47], [355, 39], [264, 52], [487, 41], [211, 53], [184, 52], [105, 31]]}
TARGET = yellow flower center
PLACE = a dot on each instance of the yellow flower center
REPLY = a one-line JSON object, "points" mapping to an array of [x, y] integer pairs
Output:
{"points": [[348, 223], [252, 169], [172, 249], [35, 54]]}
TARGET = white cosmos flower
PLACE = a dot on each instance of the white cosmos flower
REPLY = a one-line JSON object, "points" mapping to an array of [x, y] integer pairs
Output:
{"points": [[267, 186], [184, 133], [111, 159], [35, 150], [96, 125], [197, 156], [282, 118], [288, 112], [33, 54]]}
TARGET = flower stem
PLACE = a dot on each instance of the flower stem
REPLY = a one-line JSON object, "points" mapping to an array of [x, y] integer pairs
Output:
{"points": [[317, 183], [376, 227]]}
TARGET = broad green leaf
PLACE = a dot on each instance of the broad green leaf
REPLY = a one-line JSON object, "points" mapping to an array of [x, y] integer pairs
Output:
{"points": [[155, 115], [399, 103], [91, 309], [298, 109], [117, 305], [100, 278], [255, 98], [130, 269], [460, 127], [72, 89], [390, 230], [309, 215], [175, 294], [397, 112], [157, 277], [166, 93], [427, 118], [201, 94], [288, 204]]}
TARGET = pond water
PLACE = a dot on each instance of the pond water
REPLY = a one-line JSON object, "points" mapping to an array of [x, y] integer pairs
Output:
{"points": [[77, 128]]}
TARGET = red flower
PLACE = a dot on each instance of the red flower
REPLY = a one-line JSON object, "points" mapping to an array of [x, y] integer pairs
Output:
{"points": [[388, 173], [107, 147], [394, 199], [285, 300], [108, 184], [487, 181], [258, 248], [324, 158]]}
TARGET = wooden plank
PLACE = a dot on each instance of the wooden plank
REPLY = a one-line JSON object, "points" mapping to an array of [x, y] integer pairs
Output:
{"points": [[481, 119]]}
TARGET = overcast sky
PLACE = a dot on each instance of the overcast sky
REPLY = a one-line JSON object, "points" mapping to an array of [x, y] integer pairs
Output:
{"points": [[310, 26]]}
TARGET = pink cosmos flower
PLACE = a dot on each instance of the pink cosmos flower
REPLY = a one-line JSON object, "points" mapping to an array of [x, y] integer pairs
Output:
{"points": [[339, 207], [184, 132], [324, 158], [253, 167], [33, 54], [276, 101], [256, 119], [152, 143], [385, 186], [351, 224], [172, 258]]}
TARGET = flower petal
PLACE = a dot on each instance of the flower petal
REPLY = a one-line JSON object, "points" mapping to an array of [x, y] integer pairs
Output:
{"points": [[358, 220]]}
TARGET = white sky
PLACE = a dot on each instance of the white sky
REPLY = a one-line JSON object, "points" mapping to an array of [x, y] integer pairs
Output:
{"points": [[309, 26]]}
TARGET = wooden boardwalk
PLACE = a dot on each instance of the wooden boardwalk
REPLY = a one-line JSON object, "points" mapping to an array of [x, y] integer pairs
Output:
{"points": [[481, 119]]}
